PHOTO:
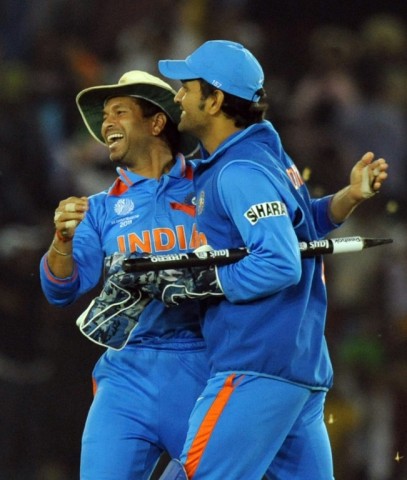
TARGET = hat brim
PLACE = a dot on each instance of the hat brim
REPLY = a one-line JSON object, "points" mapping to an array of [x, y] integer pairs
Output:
{"points": [[91, 101], [176, 70]]}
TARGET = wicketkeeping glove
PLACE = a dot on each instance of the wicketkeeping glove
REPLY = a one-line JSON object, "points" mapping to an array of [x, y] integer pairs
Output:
{"points": [[174, 286], [113, 315]]}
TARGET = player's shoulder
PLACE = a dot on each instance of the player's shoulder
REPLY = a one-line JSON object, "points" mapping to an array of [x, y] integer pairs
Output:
{"points": [[243, 169], [98, 197]]}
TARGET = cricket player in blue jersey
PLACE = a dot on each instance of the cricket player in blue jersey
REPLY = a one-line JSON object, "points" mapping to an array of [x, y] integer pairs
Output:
{"points": [[144, 393], [262, 411]]}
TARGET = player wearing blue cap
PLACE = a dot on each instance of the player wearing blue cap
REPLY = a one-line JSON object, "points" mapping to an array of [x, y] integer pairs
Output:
{"points": [[144, 392], [262, 411]]}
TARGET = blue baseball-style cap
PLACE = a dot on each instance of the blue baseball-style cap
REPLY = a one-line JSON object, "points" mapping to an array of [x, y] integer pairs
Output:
{"points": [[226, 65]]}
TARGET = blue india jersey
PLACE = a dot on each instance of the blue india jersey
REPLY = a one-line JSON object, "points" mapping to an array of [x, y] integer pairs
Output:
{"points": [[136, 214], [250, 193]]}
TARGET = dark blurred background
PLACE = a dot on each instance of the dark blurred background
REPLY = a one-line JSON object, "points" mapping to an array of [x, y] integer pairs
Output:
{"points": [[336, 78]]}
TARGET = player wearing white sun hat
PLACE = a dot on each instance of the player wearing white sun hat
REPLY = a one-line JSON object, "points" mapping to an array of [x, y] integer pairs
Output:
{"points": [[147, 380]]}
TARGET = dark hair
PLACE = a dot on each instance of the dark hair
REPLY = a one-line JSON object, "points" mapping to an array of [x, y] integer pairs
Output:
{"points": [[170, 132], [243, 112]]}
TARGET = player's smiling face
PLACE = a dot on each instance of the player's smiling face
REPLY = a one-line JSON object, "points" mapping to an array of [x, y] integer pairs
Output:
{"points": [[194, 119], [125, 131]]}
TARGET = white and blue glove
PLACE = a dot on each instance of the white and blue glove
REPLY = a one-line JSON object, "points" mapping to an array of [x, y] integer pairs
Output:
{"points": [[174, 286], [111, 317]]}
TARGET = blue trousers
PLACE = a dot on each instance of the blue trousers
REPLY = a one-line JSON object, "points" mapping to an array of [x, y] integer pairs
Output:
{"points": [[247, 426], [144, 397]]}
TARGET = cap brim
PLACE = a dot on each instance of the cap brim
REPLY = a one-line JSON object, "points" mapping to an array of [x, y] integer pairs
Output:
{"points": [[176, 70], [90, 103]]}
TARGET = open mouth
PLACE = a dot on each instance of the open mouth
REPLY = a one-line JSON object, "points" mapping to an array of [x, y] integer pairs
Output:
{"points": [[113, 138]]}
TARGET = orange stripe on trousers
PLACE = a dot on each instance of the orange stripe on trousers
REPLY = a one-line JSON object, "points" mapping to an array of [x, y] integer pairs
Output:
{"points": [[207, 426]]}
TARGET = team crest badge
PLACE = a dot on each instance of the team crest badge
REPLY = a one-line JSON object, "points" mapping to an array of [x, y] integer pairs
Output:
{"points": [[201, 203]]}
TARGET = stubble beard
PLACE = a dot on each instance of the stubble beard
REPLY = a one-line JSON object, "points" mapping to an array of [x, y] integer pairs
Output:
{"points": [[190, 127], [119, 160]]}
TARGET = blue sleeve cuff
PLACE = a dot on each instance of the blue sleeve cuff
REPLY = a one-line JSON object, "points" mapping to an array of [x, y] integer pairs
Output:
{"points": [[323, 221]]}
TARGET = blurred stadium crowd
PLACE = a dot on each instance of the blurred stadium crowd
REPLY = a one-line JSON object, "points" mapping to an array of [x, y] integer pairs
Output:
{"points": [[336, 79]]}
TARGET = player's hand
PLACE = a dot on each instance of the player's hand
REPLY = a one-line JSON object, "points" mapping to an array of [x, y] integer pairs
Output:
{"points": [[196, 283], [112, 316], [68, 215], [367, 177]]}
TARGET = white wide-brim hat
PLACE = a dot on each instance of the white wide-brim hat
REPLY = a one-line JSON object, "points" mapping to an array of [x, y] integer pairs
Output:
{"points": [[136, 84]]}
